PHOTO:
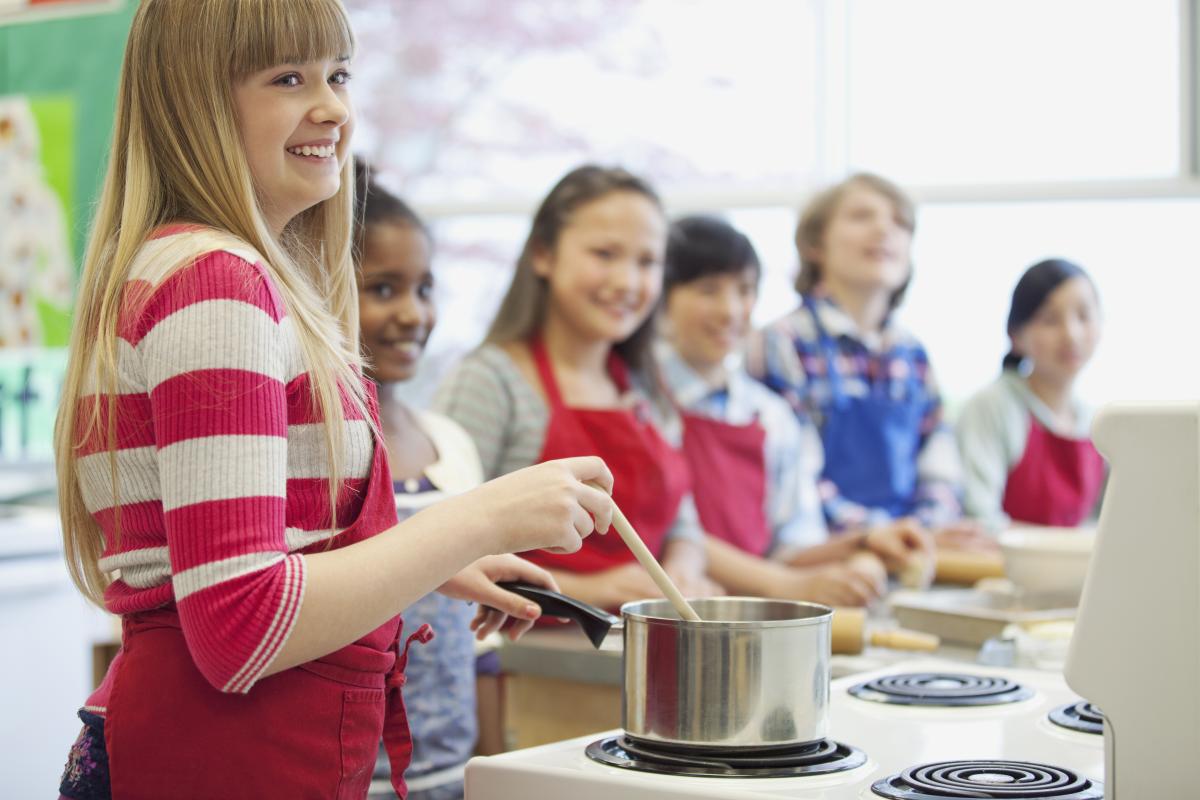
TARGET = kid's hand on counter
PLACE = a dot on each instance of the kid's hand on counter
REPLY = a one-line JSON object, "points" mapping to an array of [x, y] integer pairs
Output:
{"points": [[685, 563], [966, 535], [839, 584], [692, 585], [898, 541], [611, 587], [499, 608]]}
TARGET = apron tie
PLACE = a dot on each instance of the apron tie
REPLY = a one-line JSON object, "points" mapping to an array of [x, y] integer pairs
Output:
{"points": [[397, 739]]}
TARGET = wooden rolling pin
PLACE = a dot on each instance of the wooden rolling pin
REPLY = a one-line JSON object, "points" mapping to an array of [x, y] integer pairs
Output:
{"points": [[967, 567], [850, 635]]}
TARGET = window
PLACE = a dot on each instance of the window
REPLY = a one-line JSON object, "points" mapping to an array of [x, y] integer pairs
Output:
{"points": [[954, 92], [1142, 255], [470, 101], [477, 108]]}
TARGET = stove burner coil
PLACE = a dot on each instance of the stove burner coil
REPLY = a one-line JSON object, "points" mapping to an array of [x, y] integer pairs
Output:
{"points": [[1081, 716], [815, 758], [941, 689], [1011, 780]]}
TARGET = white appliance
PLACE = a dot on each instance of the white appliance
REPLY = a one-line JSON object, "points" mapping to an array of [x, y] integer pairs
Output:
{"points": [[1135, 654], [893, 738], [1136, 648]]}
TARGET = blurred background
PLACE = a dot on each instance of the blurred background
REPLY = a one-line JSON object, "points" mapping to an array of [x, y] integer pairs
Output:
{"points": [[1026, 129]]}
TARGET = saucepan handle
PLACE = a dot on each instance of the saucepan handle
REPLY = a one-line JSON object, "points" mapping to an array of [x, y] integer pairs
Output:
{"points": [[595, 622]]}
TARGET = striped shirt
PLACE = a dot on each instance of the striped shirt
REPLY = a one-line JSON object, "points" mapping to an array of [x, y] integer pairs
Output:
{"points": [[788, 358], [222, 475]]}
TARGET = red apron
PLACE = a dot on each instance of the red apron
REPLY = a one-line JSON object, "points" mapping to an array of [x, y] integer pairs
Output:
{"points": [[649, 476], [1056, 482], [312, 731], [729, 480]]}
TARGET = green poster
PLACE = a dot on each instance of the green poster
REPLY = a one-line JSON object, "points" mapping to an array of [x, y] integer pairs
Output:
{"points": [[36, 268]]}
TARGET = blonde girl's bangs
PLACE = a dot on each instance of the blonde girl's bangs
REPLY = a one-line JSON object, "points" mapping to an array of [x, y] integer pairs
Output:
{"points": [[270, 32]]}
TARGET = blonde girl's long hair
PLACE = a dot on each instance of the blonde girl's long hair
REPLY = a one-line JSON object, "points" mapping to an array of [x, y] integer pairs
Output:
{"points": [[177, 156], [523, 309]]}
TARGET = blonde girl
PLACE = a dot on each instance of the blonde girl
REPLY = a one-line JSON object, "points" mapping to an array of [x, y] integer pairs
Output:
{"points": [[221, 483]]}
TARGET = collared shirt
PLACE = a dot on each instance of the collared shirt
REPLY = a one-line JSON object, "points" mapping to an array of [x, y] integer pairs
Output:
{"points": [[792, 453], [787, 357]]}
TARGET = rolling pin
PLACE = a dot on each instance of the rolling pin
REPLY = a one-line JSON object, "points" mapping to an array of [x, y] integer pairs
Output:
{"points": [[967, 567], [850, 635]]}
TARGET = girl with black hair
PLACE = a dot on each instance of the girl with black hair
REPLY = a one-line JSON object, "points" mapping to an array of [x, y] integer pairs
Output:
{"points": [[432, 459], [1024, 439]]}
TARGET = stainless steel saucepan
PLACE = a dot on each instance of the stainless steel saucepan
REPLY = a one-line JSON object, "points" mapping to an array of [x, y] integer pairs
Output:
{"points": [[751, 673]]}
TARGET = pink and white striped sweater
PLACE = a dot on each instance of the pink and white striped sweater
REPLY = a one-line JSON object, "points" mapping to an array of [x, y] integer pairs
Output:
{"points": [[221, 463]]}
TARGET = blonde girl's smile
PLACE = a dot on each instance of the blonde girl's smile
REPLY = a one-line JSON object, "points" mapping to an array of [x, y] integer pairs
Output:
{"points": [[318, 151]]}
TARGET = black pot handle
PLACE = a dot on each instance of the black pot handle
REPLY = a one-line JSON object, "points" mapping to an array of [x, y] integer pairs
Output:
{"points": [[595, 622]]}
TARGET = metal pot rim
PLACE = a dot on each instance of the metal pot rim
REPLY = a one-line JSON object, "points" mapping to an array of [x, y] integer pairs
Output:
{"points": [[818, 615]]}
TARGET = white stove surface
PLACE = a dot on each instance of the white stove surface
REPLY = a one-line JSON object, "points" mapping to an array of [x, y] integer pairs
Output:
{"points": [[893, 737]]}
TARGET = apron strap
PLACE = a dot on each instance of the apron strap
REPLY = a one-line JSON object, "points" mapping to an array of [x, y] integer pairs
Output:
{"points": [[617, 370], [397, 738], [545, 370], [830, 352]]}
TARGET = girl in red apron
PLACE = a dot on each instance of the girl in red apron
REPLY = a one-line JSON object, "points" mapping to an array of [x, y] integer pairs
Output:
{"points": [[566, 370], [1024, 439], [220, 481], [754, 466]]}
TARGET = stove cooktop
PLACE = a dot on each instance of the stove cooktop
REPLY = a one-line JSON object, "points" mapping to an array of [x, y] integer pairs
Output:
{"points": [[1079, 716], [817, 758], [941, 689], [988, 779], [893, 738]]}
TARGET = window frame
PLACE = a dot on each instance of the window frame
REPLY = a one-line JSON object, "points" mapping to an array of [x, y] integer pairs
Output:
{"points": [[832, 18]]}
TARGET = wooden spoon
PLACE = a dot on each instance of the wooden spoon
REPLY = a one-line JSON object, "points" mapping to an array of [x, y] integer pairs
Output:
{"points": [[647, 560]]}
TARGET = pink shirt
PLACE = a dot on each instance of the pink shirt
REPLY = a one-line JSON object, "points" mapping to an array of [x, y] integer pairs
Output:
{"points": [[222, 474]]}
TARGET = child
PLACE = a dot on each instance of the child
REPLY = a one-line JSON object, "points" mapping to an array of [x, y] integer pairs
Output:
{"points": [[220, 484], [432, 458], [1024, 439], [566, 370], [890, 461], [754, 465]]}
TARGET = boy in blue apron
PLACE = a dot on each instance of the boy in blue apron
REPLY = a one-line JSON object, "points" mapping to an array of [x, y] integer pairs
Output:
{"points": [[890, 461]]}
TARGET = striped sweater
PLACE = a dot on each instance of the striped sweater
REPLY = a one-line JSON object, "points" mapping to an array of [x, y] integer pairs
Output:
{"points": [[222, 475]]}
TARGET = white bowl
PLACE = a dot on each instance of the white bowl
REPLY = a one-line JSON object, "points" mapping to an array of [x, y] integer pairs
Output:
{"points": [[1047, 560]]}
